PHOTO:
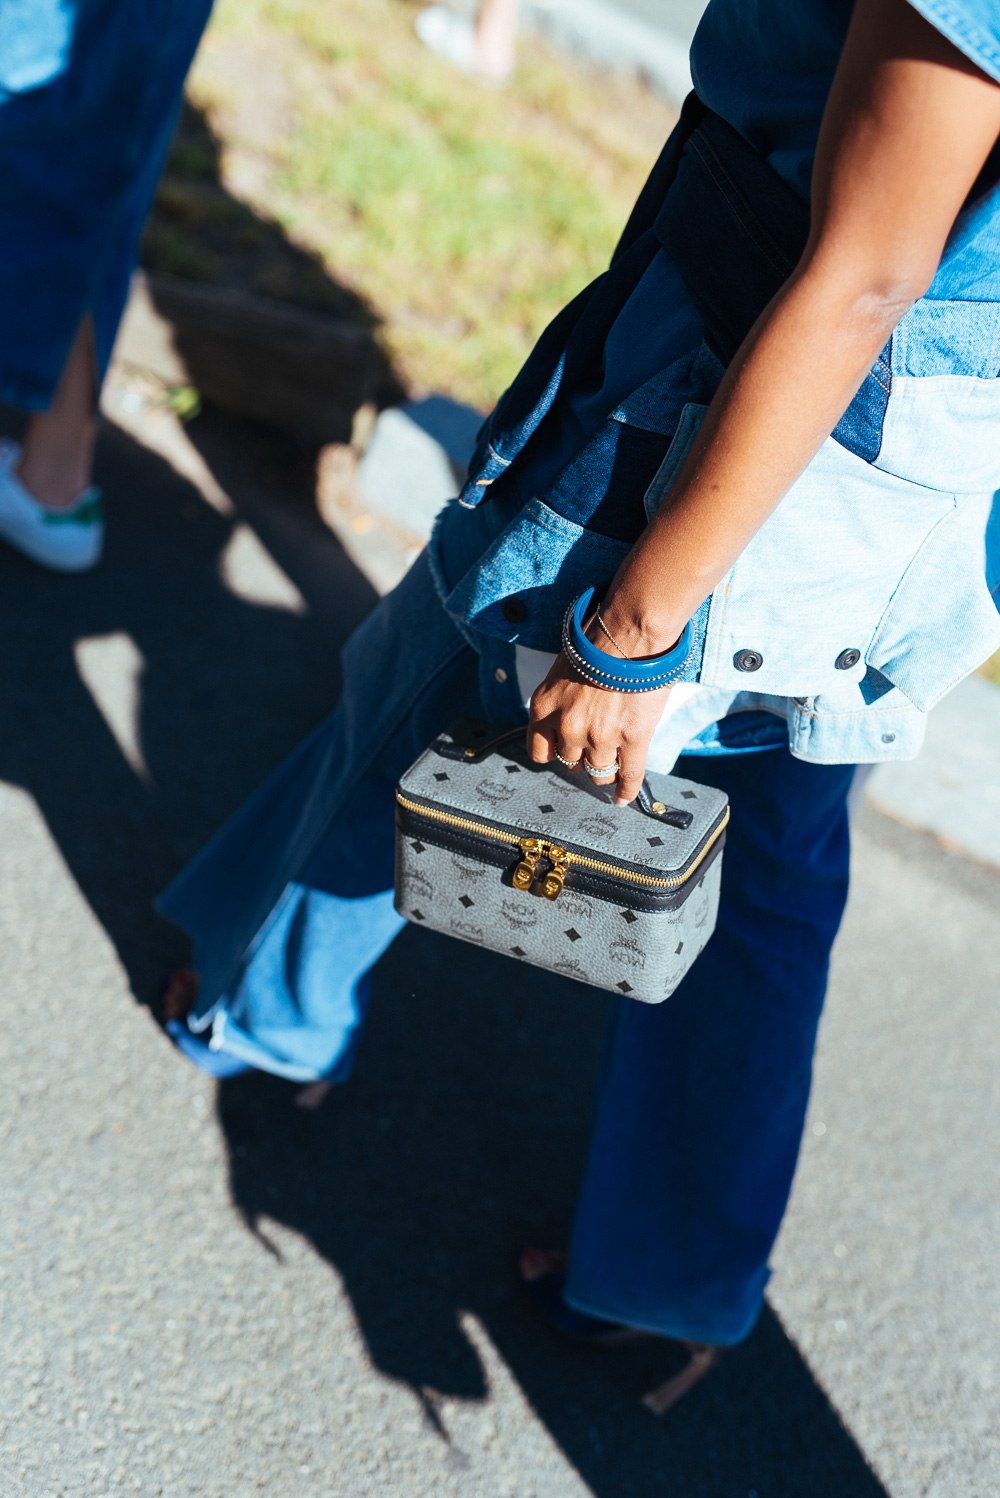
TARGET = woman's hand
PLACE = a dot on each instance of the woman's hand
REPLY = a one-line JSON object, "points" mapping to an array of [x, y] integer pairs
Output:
{"points": [[580, 722]]}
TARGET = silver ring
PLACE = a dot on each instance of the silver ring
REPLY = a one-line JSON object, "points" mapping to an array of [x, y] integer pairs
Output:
{"points": [[571, 764], [597, 773]]}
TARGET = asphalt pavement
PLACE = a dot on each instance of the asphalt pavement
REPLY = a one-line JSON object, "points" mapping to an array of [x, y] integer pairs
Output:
{"points": [[206, 1290]]}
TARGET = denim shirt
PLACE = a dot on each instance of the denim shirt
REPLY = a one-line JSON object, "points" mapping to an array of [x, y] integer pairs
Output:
{"points": [[869, 592]]}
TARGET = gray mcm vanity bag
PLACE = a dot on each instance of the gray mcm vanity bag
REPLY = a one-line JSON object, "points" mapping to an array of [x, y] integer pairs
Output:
{"points": [[538, 863]]}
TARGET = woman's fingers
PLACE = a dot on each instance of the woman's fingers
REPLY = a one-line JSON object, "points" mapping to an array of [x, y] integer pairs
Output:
{"points": [[541, 737], [604, 759], [549, 735], [570, 756], [546, 744], [631, 773], [588, 729], [541, 744], [621, 762]]}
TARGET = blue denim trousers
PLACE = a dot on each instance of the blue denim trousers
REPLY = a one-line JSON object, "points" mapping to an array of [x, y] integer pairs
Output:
{"points": [[89, 92], [702, 1100]]}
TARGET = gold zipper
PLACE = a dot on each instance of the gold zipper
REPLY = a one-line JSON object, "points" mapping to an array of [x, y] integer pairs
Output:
{"points": [[535, 848]]}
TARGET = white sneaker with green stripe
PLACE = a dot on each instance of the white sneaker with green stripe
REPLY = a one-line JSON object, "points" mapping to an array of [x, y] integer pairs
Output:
{"points": [[67, 540]]}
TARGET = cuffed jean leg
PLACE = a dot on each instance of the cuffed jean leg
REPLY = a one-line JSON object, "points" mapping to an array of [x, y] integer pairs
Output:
{"points": [[703, 1098], [291, 904]]}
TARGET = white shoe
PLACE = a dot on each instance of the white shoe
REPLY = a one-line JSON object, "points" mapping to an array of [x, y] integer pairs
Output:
{"points": [[66, 540], [449, 35]]}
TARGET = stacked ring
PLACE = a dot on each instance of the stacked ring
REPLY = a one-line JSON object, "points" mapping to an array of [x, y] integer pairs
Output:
{"points": [[596, 772]]}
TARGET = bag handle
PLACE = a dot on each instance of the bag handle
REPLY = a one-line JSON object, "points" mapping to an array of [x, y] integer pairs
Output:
{"points": [[472, 741]]}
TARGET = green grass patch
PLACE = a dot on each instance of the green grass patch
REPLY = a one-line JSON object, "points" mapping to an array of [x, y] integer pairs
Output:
{"points": [[386, 186]]}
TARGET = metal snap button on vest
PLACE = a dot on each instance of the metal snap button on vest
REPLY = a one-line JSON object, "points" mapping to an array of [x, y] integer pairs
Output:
{"points": [[748, 660], [500, 674], [888, 738], [846, 659], [514, 610]]}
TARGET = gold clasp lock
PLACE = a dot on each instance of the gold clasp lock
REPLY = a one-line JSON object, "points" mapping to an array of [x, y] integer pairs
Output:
{"points": [[532, 849]]}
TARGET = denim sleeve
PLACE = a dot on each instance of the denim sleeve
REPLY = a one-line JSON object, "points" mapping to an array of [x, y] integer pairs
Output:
{"points": [[973, 26]]}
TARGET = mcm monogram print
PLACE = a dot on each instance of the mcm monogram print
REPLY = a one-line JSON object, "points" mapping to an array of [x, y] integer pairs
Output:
{"points": [[598, 826], [518, 914], [628, 952], [418, 885], [496, 792], [574, 905], [468, 931], [569, 968]]}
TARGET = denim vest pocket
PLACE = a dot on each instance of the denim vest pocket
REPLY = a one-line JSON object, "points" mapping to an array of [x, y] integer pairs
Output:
{"points": [[603, 485], [801, 605], [688, 427], [541, 560], [942, 620], [942, 421], [943, 432]]}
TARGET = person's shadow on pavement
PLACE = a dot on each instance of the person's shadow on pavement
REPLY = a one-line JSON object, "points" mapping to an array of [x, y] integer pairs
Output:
{"points": [[461, 1138], [463, 1132]]}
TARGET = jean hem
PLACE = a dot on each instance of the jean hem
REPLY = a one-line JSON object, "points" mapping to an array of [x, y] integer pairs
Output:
{"points": [[244, 1049], [676, 1329]]}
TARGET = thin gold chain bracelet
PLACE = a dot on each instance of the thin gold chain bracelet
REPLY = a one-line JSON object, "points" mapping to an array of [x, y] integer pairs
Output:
{"points": [[610, 636]]}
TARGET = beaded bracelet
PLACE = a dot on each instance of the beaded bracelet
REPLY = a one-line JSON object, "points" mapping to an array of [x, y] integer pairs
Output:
{"points": [[601, 670]]}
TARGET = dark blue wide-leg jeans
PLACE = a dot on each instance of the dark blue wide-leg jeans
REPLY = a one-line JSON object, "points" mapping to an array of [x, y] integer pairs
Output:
{"points": [[703, 1097]]}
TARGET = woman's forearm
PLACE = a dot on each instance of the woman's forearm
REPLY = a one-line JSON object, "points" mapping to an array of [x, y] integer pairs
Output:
{"points": [[907, 128], [785, 391]]}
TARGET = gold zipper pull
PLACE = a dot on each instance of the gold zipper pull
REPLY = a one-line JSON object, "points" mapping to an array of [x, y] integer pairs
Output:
{"points": [[531, 851], [552, 885]]}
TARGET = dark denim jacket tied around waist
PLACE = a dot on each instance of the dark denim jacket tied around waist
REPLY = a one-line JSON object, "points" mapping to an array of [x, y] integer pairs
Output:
{"points": [[877, 552]]}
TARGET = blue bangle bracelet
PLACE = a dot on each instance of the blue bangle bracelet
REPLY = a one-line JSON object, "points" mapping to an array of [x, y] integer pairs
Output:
{"points": [[608, 671]]}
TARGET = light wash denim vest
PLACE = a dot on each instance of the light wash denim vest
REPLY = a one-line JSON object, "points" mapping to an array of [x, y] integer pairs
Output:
{"points": [[870, 591]]}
